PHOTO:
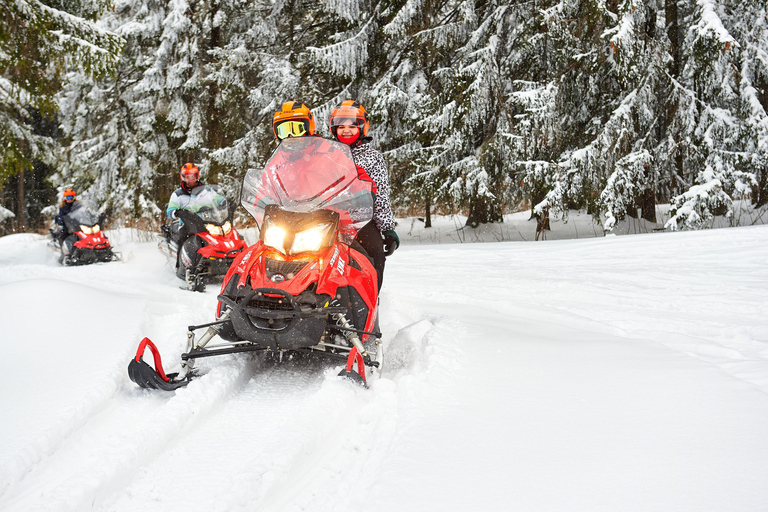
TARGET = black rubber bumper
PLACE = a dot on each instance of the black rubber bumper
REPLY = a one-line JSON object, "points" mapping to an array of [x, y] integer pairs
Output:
{"points": [[271, 318]]}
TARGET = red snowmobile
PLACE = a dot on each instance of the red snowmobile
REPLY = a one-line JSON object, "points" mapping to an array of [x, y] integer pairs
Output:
{"points": [[305, 286], [202, 242], [81, 240]]}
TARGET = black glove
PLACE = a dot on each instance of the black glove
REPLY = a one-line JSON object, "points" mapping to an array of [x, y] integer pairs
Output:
{"points": [[391, 242]]}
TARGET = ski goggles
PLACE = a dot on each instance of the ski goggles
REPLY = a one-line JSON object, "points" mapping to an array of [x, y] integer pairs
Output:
{"points": [[341, 121], [69, 198], [291, 129]]}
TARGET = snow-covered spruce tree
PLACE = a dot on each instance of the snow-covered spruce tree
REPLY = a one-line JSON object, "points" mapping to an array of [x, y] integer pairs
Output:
{"points": [[719, 125], [174, 84], [38, 42], [452, 67], [419, 40], [376, 52], [184, 93], [247, 74], [193, 112], [618, 167], [638, 117], [255, 73], [113, 148], [211, 54], [480, 88], [560, 95], [750, 29], [274, 55]]}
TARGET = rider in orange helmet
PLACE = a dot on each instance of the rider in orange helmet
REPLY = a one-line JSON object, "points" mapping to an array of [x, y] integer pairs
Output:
{"points": [[349, 124], [294, 119], [68, 201]]}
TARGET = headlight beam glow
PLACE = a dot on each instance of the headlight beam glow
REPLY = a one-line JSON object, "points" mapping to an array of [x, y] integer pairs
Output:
{"points": [[274, 236], [310, 239]]}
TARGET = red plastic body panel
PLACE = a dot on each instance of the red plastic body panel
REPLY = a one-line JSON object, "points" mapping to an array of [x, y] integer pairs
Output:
{"points": [[227, 246], [96, 241], [329, 269]]}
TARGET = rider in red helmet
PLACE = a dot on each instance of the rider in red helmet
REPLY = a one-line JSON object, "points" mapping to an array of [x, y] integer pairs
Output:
{"points": [[349, 124], [190, 184], [190, 179]]}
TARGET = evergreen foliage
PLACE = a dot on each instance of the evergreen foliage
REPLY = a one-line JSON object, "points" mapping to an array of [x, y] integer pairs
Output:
{"points": [[39, 42], [487, 105]]}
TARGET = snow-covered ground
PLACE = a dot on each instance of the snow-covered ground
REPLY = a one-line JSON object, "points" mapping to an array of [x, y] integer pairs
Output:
{"points": [[596, 374], [576, 225]]}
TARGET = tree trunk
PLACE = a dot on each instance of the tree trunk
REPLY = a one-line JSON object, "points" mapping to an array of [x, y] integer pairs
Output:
{"points": [[647, 203], [214, 114], [21, 208], [542, 224], [760, 192], [482, 210], [673, 32], [428, 213]]}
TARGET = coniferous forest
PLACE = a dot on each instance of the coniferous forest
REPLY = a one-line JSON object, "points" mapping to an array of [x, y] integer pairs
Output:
{"points": [[482, 106]]}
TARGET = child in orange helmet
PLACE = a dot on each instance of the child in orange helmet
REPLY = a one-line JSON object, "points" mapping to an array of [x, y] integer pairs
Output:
{"points": [[349, 124]]}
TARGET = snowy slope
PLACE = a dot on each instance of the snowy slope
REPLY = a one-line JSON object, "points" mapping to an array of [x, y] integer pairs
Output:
{"points": [[603, 374]]}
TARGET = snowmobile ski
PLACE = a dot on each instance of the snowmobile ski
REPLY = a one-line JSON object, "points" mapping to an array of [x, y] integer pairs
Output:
{"points": [[153, 378]]}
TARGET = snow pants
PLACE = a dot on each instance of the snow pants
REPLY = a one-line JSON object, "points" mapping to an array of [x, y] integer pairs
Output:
{"points": [[370, 240]]}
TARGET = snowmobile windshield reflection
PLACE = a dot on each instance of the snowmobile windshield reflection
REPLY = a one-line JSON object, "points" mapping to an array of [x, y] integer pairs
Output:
{"points": [[309, 174], [83, 213], [209, 204], [201, 239]]}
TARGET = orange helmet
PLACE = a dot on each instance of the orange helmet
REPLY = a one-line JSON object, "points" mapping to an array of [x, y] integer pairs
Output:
{"points": [[294, 119], [190, 169], [69, 195], [346, 112]]}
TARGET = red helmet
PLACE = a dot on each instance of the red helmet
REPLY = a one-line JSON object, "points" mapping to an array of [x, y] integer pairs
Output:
{"points": [[349, 112], [294, 119], [69, 195], [190, 169]]}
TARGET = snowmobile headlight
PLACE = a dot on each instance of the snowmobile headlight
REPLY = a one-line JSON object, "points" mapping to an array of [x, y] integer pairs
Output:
{"points": [[227, 227], [214, 229], [274, 236], [96, 228], [86, 229], [312, 239]]}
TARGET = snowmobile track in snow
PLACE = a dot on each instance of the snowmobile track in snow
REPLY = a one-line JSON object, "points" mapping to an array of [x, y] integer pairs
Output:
{"points": [[116, 461]]}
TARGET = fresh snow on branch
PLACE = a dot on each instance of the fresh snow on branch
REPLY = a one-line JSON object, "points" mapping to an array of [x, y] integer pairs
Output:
{"points": [[5, 214]]}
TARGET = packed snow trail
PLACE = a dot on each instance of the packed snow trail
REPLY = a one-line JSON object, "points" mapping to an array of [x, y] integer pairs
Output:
{"points": [[620, 373]]}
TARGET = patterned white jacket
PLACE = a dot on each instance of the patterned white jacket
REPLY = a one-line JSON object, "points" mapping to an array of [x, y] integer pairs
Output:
{"points": [[372, 161]]}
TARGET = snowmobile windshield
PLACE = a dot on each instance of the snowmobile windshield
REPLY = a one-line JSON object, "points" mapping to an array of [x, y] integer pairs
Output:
{"points": [[83, 213], [208, 203], [308, 174]]}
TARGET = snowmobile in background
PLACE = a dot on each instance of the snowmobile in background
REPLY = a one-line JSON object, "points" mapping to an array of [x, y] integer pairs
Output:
{"points": [[305, 286], [82, 240], [202, 241]]}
